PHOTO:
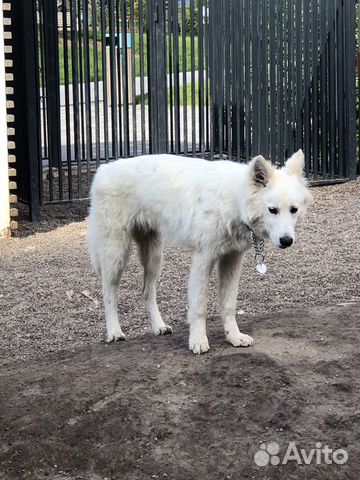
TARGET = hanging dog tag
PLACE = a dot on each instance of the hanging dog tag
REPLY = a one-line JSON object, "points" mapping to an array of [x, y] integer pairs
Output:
{"points": [[261, 268], [259, 254]]}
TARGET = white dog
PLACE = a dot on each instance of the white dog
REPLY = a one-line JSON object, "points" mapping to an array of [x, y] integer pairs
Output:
{"points": [[212, 208]]}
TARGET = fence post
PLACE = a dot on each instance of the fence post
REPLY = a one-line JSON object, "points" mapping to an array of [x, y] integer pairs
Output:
{"points": [[26, 94], [157, 78]]}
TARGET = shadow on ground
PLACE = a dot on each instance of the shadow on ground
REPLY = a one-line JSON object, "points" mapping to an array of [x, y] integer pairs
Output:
{"points": [[52, 216], [148, 408]]}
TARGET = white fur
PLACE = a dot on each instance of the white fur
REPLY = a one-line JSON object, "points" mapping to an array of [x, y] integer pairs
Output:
{"points": [[204, 206]]}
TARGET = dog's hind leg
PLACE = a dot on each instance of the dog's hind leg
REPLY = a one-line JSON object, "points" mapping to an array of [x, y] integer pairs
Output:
{"points": [[150, 252], [197, 298], [229, 267], [114, 256]]}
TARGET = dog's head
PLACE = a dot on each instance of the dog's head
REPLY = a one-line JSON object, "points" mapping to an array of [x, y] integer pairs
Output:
{"points": [[278, 197]]}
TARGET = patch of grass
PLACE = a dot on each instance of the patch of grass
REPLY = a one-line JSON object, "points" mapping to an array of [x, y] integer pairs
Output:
{"points": [[137, 59], [186, 91], [70, 69], [190, 98]]}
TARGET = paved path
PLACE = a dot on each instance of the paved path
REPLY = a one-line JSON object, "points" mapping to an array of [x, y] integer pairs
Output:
{"points": [[136, 142], [137, 87]]}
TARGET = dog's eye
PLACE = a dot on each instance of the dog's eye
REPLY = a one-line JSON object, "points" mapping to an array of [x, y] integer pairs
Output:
{"points": [[293, 210], [273, 210]]}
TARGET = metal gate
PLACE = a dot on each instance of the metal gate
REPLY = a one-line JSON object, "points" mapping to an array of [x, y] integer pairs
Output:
{"points": [[212, 78]]}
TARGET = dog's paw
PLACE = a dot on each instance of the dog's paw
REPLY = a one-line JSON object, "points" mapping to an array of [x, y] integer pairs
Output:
{"points": [[115, 335], [162, 330], [199, 345], [240, 340]]}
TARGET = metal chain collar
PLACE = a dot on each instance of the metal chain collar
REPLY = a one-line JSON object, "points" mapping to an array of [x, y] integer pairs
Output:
{"points": [[259, 253]]}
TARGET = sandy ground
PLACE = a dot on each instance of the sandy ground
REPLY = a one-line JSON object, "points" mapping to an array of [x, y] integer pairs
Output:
{"points": [[50, 299], [150, 409]]}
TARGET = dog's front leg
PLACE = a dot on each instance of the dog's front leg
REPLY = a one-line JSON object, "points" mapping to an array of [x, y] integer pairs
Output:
{"points": [[200, 272], [229, 267]]}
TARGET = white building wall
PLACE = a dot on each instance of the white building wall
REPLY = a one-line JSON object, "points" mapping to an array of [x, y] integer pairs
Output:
{"points": [[4, 166]]}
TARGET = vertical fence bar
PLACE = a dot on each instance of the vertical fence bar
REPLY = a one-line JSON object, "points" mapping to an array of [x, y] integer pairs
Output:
{"points": [[307, 86], [201, 76], [52, 82], [237, 32], [299, 75], [81, 85], [323, 89], [273, 102], [264, 113], [105, 81], [285, 72], [40, 30], [227, 81], [133, 81], [220, 78], [340, 87], [289, 97], [192, 43], [85, 18], [207, 70], [142, 75], [350, 89], [248, 137], [170, 72], [358, 86], [40, 66], [114, 43], [152, 16], [280, 83], [284, 25], [119, 84], [67, 98], [235, 74], [161, 76], [331, 6], [293, 105], [212, 60], [125, 78], [96, 81], [75, 92], [315, 94], [255, 51], [184, 74], [175, 31], [157, 79]]}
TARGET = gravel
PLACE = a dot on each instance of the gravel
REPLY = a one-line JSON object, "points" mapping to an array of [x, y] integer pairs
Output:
{"points": [[50, 299]]}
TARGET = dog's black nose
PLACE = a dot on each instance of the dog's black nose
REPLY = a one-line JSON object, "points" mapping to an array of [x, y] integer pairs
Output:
{"points": [[285, 242]]}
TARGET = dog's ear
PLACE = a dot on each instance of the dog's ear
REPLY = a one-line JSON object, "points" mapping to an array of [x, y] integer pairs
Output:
{"points": [[295, 165], [260, 171]]}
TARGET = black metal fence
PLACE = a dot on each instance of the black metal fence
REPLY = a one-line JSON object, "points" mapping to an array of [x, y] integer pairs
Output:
{"points": [[288, 82], [211, 78]]}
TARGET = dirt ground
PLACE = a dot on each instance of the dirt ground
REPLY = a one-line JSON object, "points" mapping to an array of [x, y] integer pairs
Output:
{"points": [[50, 299], [72, 407], [150, 409]]}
